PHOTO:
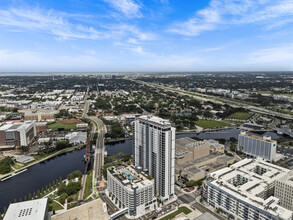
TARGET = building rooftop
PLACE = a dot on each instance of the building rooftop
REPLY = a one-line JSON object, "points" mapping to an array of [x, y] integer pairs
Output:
{"points": [[264, 138], [189, 142], [130, 177], [12, 126], [89, 211], [29, 210], [25, 159], [156, 120], [248, 179], [288, 178]]}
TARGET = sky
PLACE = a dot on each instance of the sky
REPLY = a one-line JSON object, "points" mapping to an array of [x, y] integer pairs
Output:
{"points": [[146, 35]]}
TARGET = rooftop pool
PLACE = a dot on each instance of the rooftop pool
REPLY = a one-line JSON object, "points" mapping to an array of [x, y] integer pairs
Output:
{"points": [[127, 173]]}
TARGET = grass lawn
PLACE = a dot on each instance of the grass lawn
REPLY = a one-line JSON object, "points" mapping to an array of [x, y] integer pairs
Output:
{"points": [[17, 166], [240, 115], [55, 206], [67, 125], [88, 185], [211, 124], [183, 209], [71, 205]]}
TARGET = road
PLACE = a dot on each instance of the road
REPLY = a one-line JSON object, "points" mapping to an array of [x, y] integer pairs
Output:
{"points": [[203, 209], [86, 104], [99, 149], [190, 199]]}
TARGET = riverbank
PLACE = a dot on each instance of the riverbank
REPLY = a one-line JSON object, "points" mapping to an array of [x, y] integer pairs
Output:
{"points": [[24, 168], [111, 141]]}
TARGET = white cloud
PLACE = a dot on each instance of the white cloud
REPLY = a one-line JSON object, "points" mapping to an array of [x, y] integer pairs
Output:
{"points": [[52, 22], [282, 56], [67, 26], [127, 7], [222, 13]]}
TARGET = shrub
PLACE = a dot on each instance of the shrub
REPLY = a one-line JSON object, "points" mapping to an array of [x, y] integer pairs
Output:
{"points": [[63, 196]]}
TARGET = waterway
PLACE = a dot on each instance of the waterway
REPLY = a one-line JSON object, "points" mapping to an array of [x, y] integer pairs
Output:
{"points": [[42, 174]]}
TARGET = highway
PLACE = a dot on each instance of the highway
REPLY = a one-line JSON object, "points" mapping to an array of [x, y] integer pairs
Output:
{"points": [[219, 100]]}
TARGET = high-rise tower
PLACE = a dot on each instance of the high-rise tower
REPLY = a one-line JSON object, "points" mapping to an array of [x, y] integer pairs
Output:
{"points": [[154, 151]]}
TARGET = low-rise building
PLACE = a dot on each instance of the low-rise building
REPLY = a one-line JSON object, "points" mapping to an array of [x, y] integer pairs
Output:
{"points": [[188, 149], [41, 126], [76, 137], [24, 160], [82, 127], [215, 146], [131, 189], [245, 190]]}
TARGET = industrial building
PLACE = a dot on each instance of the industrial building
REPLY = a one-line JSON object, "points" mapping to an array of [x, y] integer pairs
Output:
{"points": [[154, 151], [17, 134], [131, 189], [255, 146], [245, 190]]}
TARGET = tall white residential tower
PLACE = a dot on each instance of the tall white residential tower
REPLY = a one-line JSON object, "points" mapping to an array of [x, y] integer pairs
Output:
{"points": [[154, 151]]}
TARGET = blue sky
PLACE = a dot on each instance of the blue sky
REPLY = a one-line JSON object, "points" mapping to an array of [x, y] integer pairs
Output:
{"points": [[146, 35]]}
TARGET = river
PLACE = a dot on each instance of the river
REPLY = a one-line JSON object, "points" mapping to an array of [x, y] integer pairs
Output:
{"points": [[42, 174]]}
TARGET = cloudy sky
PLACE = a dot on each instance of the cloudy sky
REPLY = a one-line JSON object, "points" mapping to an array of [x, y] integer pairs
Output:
{"points": [[145, 35]]}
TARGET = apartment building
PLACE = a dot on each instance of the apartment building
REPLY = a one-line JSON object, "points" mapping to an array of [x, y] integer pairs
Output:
{"points": [[154, 151], [284, 190], [245, 190], [17, 134], [131, 188], [263, 147]]}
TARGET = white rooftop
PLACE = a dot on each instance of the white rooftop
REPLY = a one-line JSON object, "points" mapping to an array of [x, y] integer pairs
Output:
{"points": [[15, 126], [29, 210], [155, 119]]}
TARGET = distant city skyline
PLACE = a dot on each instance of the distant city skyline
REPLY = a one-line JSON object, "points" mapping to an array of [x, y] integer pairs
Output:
{"points": [[146, 36]]}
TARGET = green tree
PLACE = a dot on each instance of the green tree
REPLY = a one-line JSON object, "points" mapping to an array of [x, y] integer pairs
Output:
{"points": [[29, 196], [25, 198], [38, 194], [4, 210], [34, 195], [42, 191], [46, 188], [15, 201]]}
